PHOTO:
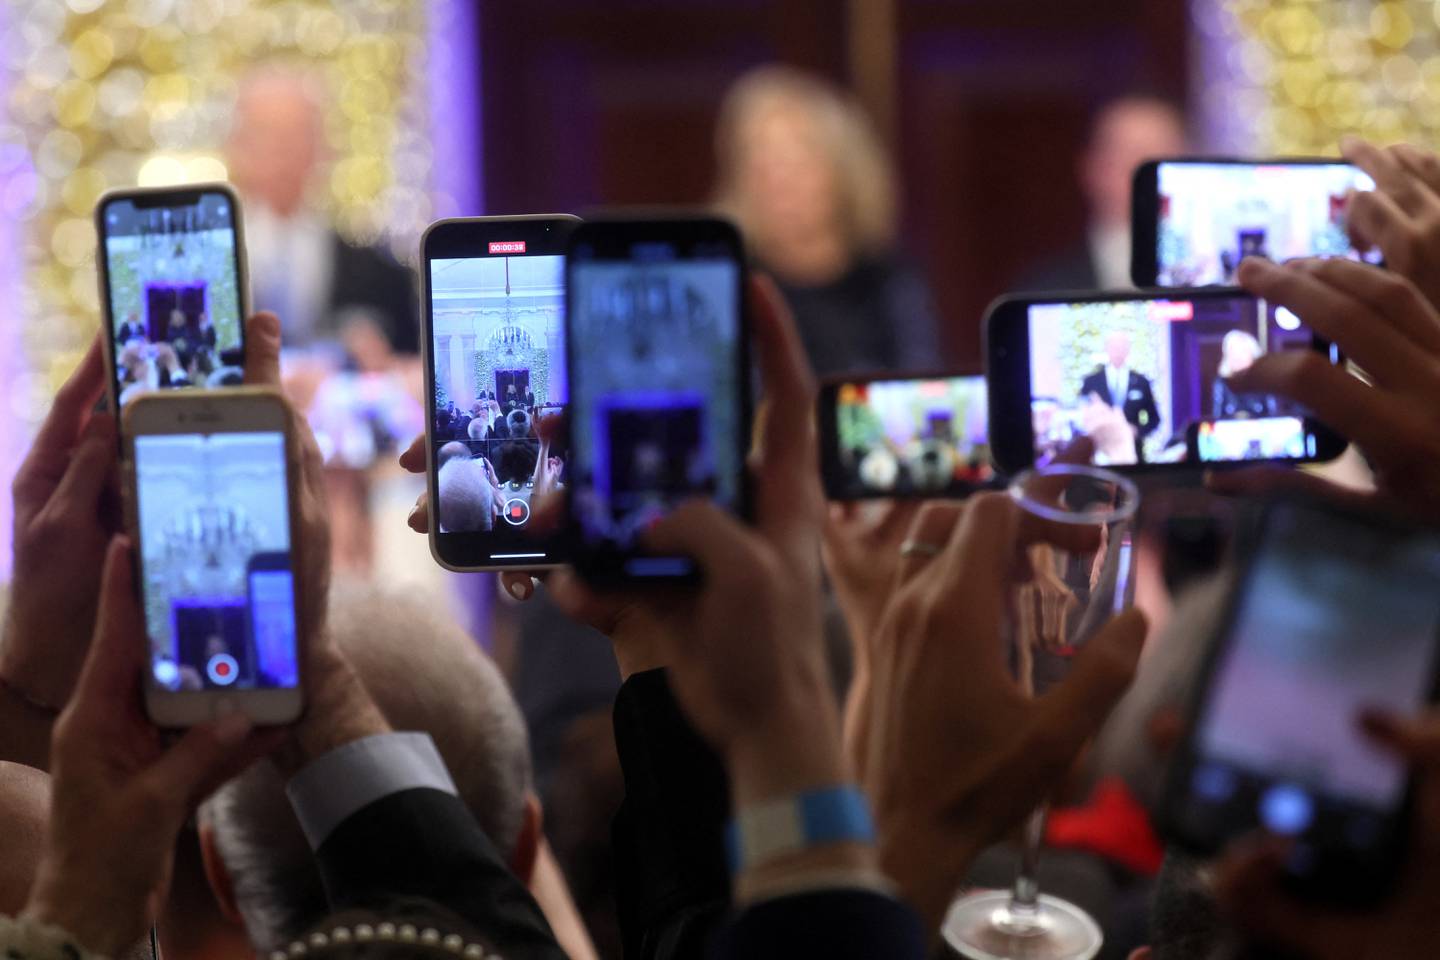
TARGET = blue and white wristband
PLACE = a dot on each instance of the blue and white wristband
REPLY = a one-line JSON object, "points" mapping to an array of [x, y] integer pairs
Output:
{"points": [[768, 831]]}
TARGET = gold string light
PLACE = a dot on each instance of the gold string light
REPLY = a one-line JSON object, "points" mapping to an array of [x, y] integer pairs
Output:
{"points": [[1311, 71], [110, 93]]}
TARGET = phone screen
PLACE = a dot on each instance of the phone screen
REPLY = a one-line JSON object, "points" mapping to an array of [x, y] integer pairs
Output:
{"points": [[498, 350], [1145, 380], [172, 273], [657, 390], [216, 566], [1336, 616], [1213, 215], [911, 437]]}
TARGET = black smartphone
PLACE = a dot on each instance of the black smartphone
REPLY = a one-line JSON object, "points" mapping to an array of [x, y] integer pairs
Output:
{"points": [[912, 436], [1143, 375], [494, 343], [1194, 220], [1333, 612], [174, 288], [659, 364]]}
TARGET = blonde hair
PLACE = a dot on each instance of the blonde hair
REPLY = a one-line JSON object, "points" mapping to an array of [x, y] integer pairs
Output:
{"points": [[1228, 342], [864, 175]]}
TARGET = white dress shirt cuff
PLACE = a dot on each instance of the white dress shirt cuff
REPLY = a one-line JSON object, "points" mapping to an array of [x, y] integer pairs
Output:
{"points": [[344, 781]]}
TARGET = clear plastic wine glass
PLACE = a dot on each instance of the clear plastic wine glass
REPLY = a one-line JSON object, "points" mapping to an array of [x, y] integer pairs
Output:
{"points": [[1074, 590]]}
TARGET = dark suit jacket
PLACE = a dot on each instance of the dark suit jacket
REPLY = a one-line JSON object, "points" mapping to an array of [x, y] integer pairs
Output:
{"points": [[425, 844], [1139, 406]]}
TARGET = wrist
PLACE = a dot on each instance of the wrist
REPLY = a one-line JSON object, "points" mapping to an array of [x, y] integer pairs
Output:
{"points": [[927, 862], [93, 918], [338, 710], [798, 751]]}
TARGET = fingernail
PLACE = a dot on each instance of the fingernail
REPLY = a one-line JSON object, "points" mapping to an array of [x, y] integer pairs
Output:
{"points": [[231, 729], [520, 589], [413, 511]]}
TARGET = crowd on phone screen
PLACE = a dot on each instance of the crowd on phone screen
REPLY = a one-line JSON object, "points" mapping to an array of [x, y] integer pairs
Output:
{"points": [[402, 815], [185, 354]]}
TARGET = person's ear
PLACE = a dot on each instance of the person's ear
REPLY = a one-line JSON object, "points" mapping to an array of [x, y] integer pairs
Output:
{"points": [[527, 843], [219, 877]]}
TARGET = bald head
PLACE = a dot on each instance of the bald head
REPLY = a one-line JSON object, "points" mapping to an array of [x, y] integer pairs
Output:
{"points": [[1117, 348], [24, 812], [1126, 133], [275, 137]]}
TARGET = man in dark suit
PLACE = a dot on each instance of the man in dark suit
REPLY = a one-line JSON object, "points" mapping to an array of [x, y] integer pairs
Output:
{"points": [[1118, 386], [130, 329]]}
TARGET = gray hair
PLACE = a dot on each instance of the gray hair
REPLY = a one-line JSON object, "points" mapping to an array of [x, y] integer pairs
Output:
{"points": [[447, 688], [467, 500]]}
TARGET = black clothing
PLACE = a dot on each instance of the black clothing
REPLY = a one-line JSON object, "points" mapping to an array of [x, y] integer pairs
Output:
{"points": [[878, 316], [1138, 404], [669, 836], [425, 843], [674, 884]]}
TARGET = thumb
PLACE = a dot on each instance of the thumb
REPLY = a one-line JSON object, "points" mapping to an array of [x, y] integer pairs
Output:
{"points": [[262, 350]]}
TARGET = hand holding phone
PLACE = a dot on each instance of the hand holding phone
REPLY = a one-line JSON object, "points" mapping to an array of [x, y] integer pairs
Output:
{"points": [[1335, 614], [174, 288]]}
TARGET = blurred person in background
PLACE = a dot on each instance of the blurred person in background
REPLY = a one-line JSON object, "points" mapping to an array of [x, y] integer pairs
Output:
{"points": [[1124, 134], [803, 172], [350, 311], [299, 266]]}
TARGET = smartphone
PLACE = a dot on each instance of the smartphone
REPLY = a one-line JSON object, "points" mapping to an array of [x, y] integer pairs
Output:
{"points": [[174, 288], [1334, 612], [1143, 375], [659, 366], [211, 504], [1194, 220], [918, 436], [494, 349]]}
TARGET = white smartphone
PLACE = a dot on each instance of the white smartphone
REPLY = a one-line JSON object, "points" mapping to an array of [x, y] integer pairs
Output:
{"points": [[211, 508]]}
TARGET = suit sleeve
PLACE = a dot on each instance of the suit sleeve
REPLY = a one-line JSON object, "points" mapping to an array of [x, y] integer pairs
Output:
{"points": [[424, 844], [673, 885], [1151, 424], [835, 924]]}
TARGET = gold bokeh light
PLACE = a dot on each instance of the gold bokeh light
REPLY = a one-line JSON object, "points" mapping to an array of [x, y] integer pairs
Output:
{"points": [[110, 93]]}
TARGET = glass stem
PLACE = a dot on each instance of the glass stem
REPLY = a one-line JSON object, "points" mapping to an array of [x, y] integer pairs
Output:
{"points": [[1025, 897]]}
